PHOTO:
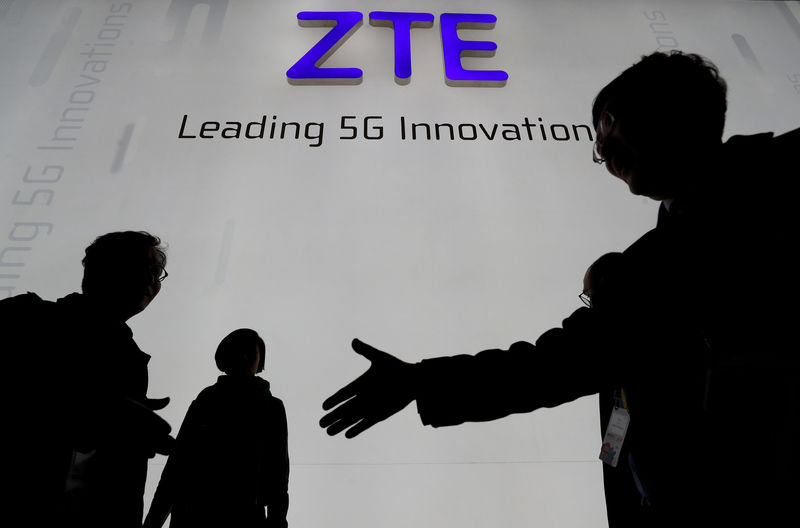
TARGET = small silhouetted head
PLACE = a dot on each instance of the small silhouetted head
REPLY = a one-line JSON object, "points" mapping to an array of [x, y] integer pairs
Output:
{"points": [[659, 120], [241, 352], [124, 270]]}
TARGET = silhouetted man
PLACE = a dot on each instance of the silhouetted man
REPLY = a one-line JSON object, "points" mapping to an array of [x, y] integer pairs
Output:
{"points": [[702, 326], [82, 427]]}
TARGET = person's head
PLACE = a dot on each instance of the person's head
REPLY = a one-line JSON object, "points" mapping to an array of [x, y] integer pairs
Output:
{"points": [[601, 278], [241, 353], [123, 271], [660, 121]]}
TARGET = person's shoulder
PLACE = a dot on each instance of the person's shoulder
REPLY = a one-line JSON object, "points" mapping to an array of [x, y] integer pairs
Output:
{"points": [[749, 140], [23, 299], [787, 145], [29, 323], [207, 402], [790, 136], [760, 168], [209, 392], [762, 150], [20, 306]]}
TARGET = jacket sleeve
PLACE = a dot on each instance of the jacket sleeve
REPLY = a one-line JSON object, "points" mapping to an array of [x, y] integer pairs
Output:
{"points": [[564, 364], [277, 485], [174, 472]]}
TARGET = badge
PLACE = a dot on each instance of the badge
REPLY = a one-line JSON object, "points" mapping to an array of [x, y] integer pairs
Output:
{"points": [[615, 435]]}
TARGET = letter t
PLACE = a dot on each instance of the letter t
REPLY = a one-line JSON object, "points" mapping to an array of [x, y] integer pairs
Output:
{"points": [[402, 24]]}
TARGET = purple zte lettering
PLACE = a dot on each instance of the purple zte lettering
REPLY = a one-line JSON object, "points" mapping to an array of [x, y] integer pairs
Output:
{"points": [[454, 48], [402, 24], [307, 70]]}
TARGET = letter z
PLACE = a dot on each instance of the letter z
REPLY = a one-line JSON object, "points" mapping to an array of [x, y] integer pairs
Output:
{"points": [[307, 70]]}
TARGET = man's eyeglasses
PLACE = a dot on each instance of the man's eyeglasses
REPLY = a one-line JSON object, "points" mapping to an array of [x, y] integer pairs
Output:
{"points": [[604, 128], [584, 297]]}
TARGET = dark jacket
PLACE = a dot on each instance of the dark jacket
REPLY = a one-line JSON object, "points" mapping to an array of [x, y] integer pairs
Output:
{"points": [[701, 339], [75, 376], [231, 460]]}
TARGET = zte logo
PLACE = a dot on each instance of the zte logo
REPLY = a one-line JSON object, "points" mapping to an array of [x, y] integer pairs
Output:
{"points": [[307, 70]]}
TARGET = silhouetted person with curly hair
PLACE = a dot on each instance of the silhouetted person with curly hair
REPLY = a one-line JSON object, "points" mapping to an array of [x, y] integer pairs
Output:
{"points": [[81, 424]]}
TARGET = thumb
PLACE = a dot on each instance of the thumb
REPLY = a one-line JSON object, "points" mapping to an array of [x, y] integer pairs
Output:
{"points": [[156, 404], [165, 445], [367, 351]]}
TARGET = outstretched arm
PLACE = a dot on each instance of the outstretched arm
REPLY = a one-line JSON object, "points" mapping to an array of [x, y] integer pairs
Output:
{"points": [[561, 367], [387, 387]]}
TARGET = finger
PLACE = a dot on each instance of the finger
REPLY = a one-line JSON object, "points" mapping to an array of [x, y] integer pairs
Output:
{"points": [[360, 427], [343, 424], [337, 428], [343, 416], [343, 394], [156, 404], [335, 415], [351, 411]]}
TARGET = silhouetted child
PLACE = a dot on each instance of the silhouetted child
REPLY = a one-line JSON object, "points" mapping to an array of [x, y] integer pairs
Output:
{"points": [[231, 459]]}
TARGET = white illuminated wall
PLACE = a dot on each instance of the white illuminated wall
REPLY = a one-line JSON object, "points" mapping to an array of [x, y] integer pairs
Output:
{"points": [[419, 247]]}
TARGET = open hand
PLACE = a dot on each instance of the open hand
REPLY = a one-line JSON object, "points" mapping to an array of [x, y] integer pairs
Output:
{"points": [[384, 389]]}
